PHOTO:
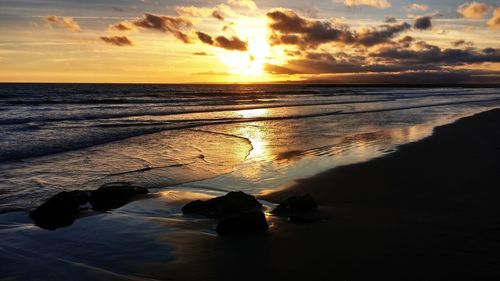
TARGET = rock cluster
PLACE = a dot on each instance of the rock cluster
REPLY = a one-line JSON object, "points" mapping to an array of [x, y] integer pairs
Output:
{"points": [[236, 211], [62, 209]]}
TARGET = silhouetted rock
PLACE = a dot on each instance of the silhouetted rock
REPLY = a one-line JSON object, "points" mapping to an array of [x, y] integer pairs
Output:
{"points": [[244, 222], [114, 195], [301, 203], [60, 210], [230, 204], [297, 208]]}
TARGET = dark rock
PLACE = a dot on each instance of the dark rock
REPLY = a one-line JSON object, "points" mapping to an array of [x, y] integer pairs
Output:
{"points": [[114, 195], [230, 204], [244, 222], [60, 210], [298, 208], [301, 203]]}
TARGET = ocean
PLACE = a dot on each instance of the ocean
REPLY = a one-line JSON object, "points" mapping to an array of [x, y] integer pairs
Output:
{"points": [[254, 138]]}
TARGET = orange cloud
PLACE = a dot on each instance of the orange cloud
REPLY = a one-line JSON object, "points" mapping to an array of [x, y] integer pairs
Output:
{"points": [[418, 7], [494, 22], [380, 4], [65, 22], [122, 26], [249, 4], [473, 10]]}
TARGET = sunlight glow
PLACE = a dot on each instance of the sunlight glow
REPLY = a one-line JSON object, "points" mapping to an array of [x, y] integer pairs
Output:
{"points": [[252, 62]]}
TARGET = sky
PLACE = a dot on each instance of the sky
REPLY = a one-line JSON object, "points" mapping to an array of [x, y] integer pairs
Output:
{"points": [[244, 41]]}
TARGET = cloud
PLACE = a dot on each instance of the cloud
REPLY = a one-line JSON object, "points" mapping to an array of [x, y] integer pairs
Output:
{"points": [[391, 20], [202, 54], [429, 55], [380, 4], [473, 10], [249, 4], [309, 66], [231, 44], [172, 25], [459, 43], [382, 34], [406, 41], [291, 29], [418, 7], [122, 26], [117, 40], [405, 55], [217, 15], [65, 22], [205, 38], [202, 12], [412, 77], [494, 22], [423, 23]]}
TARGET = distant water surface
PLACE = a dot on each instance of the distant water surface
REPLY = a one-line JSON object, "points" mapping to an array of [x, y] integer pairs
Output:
{"points": [[206, 137]]}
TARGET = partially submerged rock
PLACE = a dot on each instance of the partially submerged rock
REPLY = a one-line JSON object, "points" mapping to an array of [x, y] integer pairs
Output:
{"points": [[114, 195], [298, 208], [244, 222], [228, 205], [60, 210]]}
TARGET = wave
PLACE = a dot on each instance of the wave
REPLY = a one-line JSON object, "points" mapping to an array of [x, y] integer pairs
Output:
{"points": [[144, 128], [19, 121]]}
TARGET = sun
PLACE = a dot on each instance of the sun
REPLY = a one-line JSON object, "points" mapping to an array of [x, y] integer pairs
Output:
{"points": [[252, 62]]}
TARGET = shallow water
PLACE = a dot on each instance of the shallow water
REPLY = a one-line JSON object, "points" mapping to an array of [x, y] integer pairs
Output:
{"points": [[228, 137], [184, 142]]}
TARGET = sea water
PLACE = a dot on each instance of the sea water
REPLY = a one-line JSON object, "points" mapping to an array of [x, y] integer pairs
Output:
{"points": [[254, 138]]}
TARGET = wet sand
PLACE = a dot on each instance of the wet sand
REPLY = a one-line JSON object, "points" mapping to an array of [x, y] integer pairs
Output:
{"points": [[429, 211]]}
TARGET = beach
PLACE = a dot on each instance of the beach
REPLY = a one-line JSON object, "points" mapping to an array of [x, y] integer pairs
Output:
{"points": [[426, 212], [243, 140]]}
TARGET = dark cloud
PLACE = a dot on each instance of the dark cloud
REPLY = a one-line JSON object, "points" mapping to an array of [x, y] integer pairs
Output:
{"points": [[423, 23], [172, 25], [430, 55], [406, 41], [216, 14], [309, 66], [232, 44], [413, 77], [380, 35], [291, 29], [117, 40], [391, 20], [205, 38], [402, 56]]}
